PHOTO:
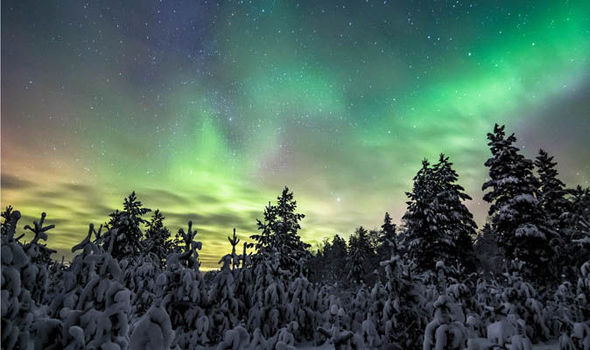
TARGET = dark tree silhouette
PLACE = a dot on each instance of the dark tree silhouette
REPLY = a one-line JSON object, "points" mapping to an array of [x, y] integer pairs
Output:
{"points": [[388, 240], [280, 231], [124, 229], [360, 255], [157, 237], [552, 192]]}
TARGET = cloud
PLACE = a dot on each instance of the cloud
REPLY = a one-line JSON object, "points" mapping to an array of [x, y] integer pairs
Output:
{"points": [[11, 182]]}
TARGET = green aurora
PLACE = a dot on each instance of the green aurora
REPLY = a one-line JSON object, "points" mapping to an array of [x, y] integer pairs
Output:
{"points": [[207, 110]]}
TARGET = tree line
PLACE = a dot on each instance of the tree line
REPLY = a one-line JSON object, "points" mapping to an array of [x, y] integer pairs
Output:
{"points": [[133, 284], [533, 219]]}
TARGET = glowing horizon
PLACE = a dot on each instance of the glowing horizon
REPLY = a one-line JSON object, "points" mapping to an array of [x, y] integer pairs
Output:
{"points": [[208, 110]]}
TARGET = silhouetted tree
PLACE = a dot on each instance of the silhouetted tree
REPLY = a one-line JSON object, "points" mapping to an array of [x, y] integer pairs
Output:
{"points": [[39, 252], [280, 231], [488, 253], [157, 237], [360, 255], [187, 247], [388, 240], [552, 192], [124, 228], [327, 264]]}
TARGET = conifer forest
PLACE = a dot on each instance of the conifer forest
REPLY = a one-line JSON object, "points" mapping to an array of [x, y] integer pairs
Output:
{"points": [[295, 174], [435, 281]]}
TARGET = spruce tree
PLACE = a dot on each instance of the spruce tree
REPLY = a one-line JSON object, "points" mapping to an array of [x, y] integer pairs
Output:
{"points": [[453, 216], [488, 254], [388, 240], [124, 228], [360, 255], [577, 227], [426, 244], [515, 212], [552, 192], [157, 237], [280, 231], [438, 225]]}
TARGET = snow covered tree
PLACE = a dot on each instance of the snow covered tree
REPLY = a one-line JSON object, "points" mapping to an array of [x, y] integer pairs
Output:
{"points": [[336, 257], [404, 308], [424, 243], [157, 237], [17, 311], [552, 192], [515, 212], [280, 231], [187, 247], [489, 255], [234, 256], [387, 244], [124, 234], [93, 305], [38, 252], [223, 305], [360, 254], [553, 200], [577, 228], [438, 225], [453, 216], [444, 332], [326, 265]]}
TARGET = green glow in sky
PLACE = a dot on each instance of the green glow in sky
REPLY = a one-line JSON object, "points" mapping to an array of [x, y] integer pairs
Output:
{"points": [[208, 110]]}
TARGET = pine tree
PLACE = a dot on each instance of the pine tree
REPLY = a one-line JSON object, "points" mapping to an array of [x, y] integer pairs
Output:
{"points": [[360, 255], [124, 229], [426, 244], [577, 227], [488, 253], [157, 237], [438, 225], [330, 260], [453, 215], [515, 212], [187, 247], [280, 231], [387, 243], [552, 192], [554, 203]]}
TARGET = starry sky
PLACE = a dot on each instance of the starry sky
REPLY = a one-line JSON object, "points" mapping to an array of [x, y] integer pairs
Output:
{"points": [[207, 109]]}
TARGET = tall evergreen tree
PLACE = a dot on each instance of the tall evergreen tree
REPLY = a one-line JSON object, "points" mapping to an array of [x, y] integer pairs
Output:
{"points": [[280, 231], [577, 227], [327, 264], [488, 253], [426, 244], [453, 215], [515, 212], [124, 228], [388, 240], [552, 192], [438, 225], [157, 237], [360, 256]]}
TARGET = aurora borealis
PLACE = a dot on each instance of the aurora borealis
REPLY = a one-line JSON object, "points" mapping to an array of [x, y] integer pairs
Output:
{"points": [[207, 109]]}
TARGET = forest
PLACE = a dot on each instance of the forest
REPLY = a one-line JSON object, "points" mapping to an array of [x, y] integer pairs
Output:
{"points": [[435, 282]]}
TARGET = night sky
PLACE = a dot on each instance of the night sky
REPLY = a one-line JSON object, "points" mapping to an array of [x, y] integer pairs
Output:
{"points": [[207, 109]]}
